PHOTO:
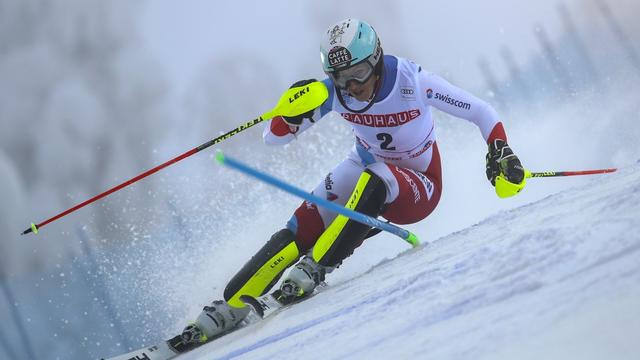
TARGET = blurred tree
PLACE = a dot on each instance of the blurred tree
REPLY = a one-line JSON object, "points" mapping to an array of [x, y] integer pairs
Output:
{"points": [[80, 106]]}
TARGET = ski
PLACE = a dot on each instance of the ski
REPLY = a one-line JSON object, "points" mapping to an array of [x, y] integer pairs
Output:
{"points": [[162, 351], [262, 307]]}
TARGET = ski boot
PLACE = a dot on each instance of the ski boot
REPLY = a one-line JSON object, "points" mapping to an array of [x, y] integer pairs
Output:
{"points": [[301, 281], [213, 321]]}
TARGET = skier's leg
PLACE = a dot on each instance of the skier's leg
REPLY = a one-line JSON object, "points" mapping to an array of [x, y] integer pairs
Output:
{"points": [[308, 224], [337, 242], [411, 196], [256, 278], [401, 195]]}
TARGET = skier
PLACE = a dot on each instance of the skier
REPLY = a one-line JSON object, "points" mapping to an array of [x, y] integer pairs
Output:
{"points": [[393, 170]]}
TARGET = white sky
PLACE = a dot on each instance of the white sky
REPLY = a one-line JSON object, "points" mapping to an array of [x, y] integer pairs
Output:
{"points": [[446, 37]]}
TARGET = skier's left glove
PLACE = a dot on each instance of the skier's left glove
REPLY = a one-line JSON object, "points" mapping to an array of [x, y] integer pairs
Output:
{"points": [[502, 161], [297, 120]]}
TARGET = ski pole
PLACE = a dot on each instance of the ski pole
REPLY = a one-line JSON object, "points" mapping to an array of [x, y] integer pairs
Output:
{"points": [[504, 188], [568, 173], [406, 235], [293, 102]]}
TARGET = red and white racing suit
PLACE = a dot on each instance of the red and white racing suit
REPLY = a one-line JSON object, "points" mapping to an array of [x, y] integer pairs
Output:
{"points": [[395, 139]]}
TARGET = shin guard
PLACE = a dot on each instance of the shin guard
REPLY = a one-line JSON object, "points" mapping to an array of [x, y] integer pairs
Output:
{"points": [[264, 269], [343, 235]]}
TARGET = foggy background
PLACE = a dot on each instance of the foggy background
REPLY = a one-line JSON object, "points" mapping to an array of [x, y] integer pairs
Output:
{"points": [[93, 93]]}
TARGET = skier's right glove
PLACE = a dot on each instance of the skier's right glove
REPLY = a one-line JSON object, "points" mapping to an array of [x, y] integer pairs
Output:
{"points": [[502, 161], [297, 120]]}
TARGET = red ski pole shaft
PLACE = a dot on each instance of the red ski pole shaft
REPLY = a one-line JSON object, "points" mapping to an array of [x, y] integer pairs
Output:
{"points": [[34, 227], [570, 173]]}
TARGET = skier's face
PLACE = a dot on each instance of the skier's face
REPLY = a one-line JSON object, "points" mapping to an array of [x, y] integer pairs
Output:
{"points": [[362, 91]]}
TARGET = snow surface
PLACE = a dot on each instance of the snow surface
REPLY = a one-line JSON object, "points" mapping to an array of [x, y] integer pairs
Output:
{"points": [[555, 279]]}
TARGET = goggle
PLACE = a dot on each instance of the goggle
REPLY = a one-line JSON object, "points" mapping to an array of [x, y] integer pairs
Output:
{"points": [[360, 72]]}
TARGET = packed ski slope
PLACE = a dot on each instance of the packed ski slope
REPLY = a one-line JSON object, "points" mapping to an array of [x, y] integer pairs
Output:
{"points": [[556, 279]]}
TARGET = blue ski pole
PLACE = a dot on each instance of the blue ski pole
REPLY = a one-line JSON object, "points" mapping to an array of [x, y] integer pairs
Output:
{"points": [[406, 235]]}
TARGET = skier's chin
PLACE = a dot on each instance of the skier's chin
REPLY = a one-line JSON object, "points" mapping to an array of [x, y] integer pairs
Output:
{"points": [[360, 95]]}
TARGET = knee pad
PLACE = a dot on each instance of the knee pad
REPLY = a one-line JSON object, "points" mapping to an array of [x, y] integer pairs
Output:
{"points": [[343, 235], [264, 269]]}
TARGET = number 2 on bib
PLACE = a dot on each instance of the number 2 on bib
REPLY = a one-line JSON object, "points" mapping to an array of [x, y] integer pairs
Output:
{"points": [[386, 141]]}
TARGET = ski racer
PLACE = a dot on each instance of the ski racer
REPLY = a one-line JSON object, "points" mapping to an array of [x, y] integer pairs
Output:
{"points": [[393, 170]]}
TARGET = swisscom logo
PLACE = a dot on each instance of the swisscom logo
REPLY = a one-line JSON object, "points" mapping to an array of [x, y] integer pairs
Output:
{"points": [[449, 100]]}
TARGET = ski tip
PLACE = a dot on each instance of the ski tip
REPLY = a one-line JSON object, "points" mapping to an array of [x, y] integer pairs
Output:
{"points": [[253, 304], [220, 157], [33, 229]]}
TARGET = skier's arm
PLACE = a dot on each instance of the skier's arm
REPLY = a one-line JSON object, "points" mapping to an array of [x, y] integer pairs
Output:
{"points": [[278, 132], [500, 158], [282, 131], [451, 99]]}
